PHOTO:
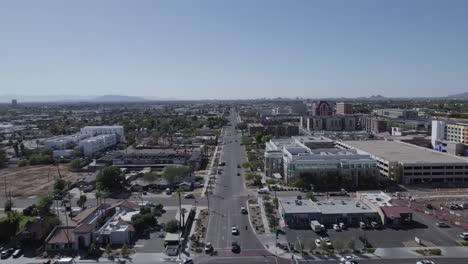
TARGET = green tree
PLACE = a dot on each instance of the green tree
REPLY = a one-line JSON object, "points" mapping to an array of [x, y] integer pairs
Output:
{"points": [[8, 205], [172, 226], [124, 251], [59, 185], [110, 179], [275, 202], [151, 177], [337, 244], [3, 158], [175, 173], [298, 246], [74, 164], [108, 250], [16, 149], [312, 245], [81, 201], [351, 245], [44, 204]]}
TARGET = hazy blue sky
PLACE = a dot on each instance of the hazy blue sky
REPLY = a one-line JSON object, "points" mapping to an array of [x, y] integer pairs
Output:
{"points": [[234, 49]]}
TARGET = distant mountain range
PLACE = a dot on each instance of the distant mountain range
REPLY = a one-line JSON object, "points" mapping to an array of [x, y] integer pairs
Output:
{"points": [[6, 98], [461, 96]]}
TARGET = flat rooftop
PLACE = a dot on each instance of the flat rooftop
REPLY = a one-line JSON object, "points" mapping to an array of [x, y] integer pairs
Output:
{"points": [[290, 207], [343, 206], [325, 206], [378, 198], [402, 152]]}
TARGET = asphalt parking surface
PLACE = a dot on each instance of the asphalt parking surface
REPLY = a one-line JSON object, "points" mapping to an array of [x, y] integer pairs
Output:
{"points": [[424, 229]]}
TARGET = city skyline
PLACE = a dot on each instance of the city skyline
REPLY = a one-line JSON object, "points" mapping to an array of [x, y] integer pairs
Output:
{"points": [[237, 50]]}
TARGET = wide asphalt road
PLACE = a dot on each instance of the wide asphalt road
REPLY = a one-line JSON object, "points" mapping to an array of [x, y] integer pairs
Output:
{"points": [[229, 196]]}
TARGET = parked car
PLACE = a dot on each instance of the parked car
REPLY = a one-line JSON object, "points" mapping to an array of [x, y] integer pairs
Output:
{"points": [[235, 247], [17, 253], [375, 225], [238, 174], [208, 247], [429, 206], [238, 166], [336, 227], [327, 241], [168, 191], [465, 205], [6, 253], [362, 225], [243, 210], [189, 196], [343, 226], [317, 242], [442, 224], [263, 191], [464, 235], [234, 231]]}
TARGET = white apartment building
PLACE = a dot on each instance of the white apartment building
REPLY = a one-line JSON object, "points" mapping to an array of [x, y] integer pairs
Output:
{"points": [[93, 131], [65, 142], [92, 145]]}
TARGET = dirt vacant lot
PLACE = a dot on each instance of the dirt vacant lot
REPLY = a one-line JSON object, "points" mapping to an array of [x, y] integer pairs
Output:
{"points": [[33, 180]]}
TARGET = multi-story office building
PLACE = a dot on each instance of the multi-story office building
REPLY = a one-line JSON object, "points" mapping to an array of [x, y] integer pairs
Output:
{"points": [[291, 158], [344, 108], [397, 113], [95, 144], [457, 133], [411, 164], [329, 123], [372, 125], [101, 130]]}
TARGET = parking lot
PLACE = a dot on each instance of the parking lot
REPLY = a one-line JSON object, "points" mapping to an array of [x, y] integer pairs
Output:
{"points": [[154, 242], [424, 228]]}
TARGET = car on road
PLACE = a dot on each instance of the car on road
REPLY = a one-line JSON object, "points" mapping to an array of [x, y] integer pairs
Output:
{"points": [[376, 225], [186, 261], [238, 166], [243, 210], [464, 235], [346, 258], [317, 242], [17, 253], [208, 247], [189, 196], [234, 231], [263, 191], [425, 261], [6, 253], [349, 262], [442, 224], [168, 191], [336, 227], [238, 174], [235, 247]]}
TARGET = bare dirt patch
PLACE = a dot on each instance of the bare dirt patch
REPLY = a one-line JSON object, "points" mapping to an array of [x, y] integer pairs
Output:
{"points": [[34, 180]]}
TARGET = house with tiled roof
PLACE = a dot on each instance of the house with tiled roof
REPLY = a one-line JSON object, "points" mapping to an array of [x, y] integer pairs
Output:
{"points": [[101, 224]]}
